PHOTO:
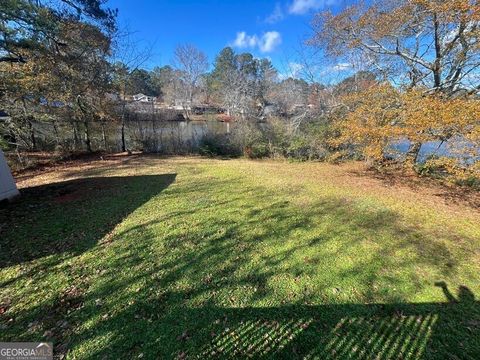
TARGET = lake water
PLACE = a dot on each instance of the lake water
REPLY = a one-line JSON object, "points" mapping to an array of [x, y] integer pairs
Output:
{"points": [[182, 136], [172, 136], [455, 148]]}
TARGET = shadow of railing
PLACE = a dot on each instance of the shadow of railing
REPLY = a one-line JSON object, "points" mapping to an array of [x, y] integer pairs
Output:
{"points": [[348, 331], [329, 331]]}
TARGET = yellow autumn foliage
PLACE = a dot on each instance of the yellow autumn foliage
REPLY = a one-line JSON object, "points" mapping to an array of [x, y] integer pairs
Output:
{"points": [[381, 115]]}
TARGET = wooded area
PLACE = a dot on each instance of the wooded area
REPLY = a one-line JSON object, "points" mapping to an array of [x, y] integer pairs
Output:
{"points": [[70, 83]]}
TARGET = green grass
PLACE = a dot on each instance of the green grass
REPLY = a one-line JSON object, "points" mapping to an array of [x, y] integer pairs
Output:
{"points": [[191, 258]]}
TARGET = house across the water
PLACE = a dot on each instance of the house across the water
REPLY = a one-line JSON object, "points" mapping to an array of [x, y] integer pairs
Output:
{"points": [[144, 98]]}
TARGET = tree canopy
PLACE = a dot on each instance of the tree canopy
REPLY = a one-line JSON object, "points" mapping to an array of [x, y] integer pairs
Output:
{"points": [[27, 25], [433, 43]]}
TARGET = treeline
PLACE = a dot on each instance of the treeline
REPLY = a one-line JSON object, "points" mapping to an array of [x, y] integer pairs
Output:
{"points": [[55, 69], [414, 81], [426, 54]]}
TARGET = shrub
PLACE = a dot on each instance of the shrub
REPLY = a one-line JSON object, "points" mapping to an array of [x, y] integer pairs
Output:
{"points": [[451, 170], [3, 144], [218, 145], [257, 151]]}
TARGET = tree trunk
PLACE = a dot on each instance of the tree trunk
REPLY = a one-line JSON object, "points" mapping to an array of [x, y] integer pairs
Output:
{"points": [[185, 112], [75, 135], [104, 136], [17, 151], [412, 153], [437, 70], [155, 139], [86, 130], [28, 119], [57, 136], [124, 143], [32, 136]]}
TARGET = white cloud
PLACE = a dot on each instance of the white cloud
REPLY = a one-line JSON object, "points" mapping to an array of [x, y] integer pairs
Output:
{"points": [[276, 16], [299, 7], [265, 43], [269, 41], [342, 67], [244, 41], [339, 69]]}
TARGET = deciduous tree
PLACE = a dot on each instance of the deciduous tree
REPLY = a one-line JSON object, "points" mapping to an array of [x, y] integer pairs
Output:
{"points": [[432, 43], [191, 63]]}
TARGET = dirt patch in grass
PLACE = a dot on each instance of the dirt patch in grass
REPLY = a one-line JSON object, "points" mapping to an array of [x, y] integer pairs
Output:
{"points": [[68, 197], [44, 163], [449, 193]]}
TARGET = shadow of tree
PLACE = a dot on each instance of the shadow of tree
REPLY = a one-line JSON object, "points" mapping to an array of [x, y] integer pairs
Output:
{"points": [[71, 216]]}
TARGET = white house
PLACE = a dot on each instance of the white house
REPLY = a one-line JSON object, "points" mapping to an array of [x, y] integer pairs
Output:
{"points": [[8, 189], [143, 98]]}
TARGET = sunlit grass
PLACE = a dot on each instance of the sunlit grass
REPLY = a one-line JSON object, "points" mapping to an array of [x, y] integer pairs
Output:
{"points": [[163, 258]]}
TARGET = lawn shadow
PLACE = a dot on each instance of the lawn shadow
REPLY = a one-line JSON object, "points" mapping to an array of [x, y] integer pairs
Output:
{"points": [[71, 216], [177, 284]]}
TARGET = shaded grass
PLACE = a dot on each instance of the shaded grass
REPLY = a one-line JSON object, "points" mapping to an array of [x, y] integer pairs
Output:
{"points": [[235, 258]]}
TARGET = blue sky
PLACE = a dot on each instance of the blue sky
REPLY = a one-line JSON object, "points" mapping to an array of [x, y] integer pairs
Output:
{"points": [[268, 28]]}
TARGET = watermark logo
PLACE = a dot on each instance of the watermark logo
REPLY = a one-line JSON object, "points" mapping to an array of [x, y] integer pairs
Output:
{"points": [[26, 351]]}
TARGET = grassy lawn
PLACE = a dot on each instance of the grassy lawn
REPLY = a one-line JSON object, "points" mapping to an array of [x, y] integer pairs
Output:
{"points": [[192, 258]]}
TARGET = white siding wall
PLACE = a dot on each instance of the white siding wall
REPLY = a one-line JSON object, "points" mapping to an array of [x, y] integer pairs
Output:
{"points": [[8, 189]]}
